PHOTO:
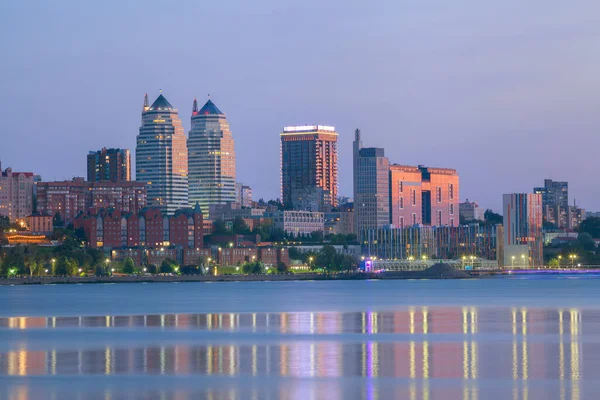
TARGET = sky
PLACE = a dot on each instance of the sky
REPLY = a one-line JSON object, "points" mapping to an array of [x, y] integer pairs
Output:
{"points": [[507, 92]]}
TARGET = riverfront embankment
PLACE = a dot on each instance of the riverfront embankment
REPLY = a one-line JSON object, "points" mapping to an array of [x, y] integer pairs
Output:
{"points": [[438, 271]]}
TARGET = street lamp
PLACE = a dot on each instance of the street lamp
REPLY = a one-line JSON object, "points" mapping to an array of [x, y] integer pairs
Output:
{"points": [[230, 244], [523, 260], [144, 269], [512, 262], [559, 258]]}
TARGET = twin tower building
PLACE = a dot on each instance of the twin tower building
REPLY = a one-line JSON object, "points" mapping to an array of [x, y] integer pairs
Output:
{"points": [[181, 172]]}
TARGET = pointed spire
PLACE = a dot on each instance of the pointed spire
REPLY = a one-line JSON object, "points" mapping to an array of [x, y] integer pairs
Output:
{"points": [[146, 102], [195, 107], [357, 135]]}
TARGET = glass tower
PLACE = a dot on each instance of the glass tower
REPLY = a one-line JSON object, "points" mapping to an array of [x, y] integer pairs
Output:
{"points": [[211, 160], [161, 156]]}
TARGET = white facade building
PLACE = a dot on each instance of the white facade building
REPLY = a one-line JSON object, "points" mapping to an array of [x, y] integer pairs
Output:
{"points": [[16, 194], [298, 223]]}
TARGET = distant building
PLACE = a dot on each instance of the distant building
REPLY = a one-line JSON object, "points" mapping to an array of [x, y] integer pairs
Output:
{"points": [[309, 166], [423, 196], [109, 165], [231, 211], [69, 198], [298, 223], [211, 158], [592, 214], [555, 202], [435, 242], [575, 216], [470, 211], [243, 194], [162, 157], [16, 194], [39, 224], [371, 189], [339, 222], [523, 239]]}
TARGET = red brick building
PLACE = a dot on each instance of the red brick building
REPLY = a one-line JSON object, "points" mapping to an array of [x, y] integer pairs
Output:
{"points": [[69, 198]]}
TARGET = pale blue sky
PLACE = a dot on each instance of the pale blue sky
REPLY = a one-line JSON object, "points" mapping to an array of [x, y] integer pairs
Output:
{"points": [[507, 92]]}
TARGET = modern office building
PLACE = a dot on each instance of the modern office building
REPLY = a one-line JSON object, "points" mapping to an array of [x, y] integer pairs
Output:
{"points": [[423, 196], [555, 202], [309, 166], [161, 156], [470, 211], [523, 239], [112, 165], [16, 194], [435, 242], [243, 194], [211, 158], [69, 198], [371, 189]]}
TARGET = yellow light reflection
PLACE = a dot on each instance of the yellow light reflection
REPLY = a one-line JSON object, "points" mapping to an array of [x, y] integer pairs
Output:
{"points": [[473, 313], [465, 360], [425, 322], [412, 320], [107, 361], [465, 321], [473, 360], [209, 360]]}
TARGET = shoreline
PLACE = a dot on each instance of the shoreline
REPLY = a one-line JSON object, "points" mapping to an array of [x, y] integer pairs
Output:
{"points": [[60, 280]]}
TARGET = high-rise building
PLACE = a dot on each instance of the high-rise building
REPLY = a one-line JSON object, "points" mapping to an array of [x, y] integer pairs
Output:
{"points": [[309, 167], [16, 194], [211, 159], [423, 196], [555, 202], [161, 156], [109, 165], [523, 239], [69, 198], [371, 189]]}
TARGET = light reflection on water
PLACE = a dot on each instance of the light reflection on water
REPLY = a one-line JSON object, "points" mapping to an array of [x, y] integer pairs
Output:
{"points": [[416, 353]]}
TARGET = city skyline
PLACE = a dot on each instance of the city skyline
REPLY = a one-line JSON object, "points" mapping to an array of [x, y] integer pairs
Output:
{"points": [[490, 100]]}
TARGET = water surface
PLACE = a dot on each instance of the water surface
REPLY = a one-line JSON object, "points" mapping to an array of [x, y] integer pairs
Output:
{"points": [[525, 338]]}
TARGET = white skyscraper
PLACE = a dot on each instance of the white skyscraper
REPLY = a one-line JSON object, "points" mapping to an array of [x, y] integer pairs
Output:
{"points": [[211, 159], [161, 156]]}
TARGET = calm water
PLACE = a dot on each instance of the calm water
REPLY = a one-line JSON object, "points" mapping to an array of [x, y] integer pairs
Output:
{"points": [[526, 338]]}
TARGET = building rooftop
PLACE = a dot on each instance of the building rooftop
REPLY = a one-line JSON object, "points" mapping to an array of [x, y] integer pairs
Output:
{"points": [[160, 104], [210, 109]]}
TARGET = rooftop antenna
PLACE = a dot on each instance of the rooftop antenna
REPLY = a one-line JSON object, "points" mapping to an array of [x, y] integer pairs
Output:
{"points": [[146, 102], [195, 107]]}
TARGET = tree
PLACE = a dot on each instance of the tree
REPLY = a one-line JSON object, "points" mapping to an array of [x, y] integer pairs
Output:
{"points": [[220, 227], [554, 263], [590, 225], [58, 220], [33, 265], [254, 267], [240, 227], [4, 223], [586, 241], [492, 218], [281, 267], [65, 266], [168, 266], [326, 258], [128, 266]]}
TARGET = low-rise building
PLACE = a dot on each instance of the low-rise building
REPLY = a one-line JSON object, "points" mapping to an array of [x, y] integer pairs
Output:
{"points": [[339, 223], [16, 194], [39, 224], [69, 198], [298, 223]]}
